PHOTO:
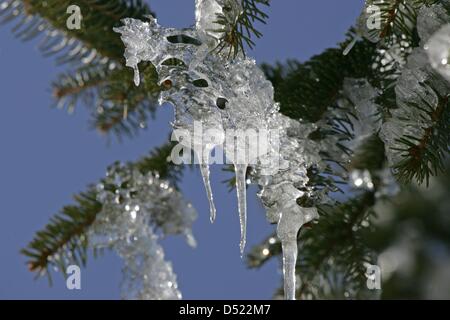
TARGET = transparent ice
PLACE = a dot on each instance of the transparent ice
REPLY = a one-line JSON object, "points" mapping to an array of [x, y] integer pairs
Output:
{"points": [[231, 95], [438, 49], [417, 85], [430, 19], [136, 210]]}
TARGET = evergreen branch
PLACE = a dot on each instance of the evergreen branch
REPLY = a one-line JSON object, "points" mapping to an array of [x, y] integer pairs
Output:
{"points": [[98, 78], [64, 238], [64, 234], [82, 79], [418, 225], [397, 18], [124, 108]]}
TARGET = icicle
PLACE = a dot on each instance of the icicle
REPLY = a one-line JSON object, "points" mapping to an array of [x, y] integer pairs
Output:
{"points": [[137, 77], [289, 248], [288, 227], [241, 185], [204, 169]]}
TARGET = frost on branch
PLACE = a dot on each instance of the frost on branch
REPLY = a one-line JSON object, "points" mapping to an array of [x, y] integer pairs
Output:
{"points": [[134, 207], [230, 96]]}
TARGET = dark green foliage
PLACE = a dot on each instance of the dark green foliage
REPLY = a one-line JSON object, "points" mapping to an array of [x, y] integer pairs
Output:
{"points": [[97, 75], [331, 249], [99, 18], [398, 17], [65, 232], [370, 155]]}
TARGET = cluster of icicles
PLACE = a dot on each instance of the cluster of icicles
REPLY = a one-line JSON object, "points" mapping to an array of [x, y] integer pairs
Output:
{"points": [[207, 87]]}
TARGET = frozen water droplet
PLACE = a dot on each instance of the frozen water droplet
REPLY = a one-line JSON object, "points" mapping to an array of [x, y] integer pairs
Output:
{"points": [[241, 170]]}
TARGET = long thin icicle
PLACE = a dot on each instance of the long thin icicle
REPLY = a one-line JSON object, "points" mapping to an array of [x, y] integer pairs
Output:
{"points": [[292, 218], [290, 250], [241, 188]]}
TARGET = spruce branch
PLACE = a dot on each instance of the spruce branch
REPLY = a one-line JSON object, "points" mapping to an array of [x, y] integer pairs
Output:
{"points": [[370, 155]]}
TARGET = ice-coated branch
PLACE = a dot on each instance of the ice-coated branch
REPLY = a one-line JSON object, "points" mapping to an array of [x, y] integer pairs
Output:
{"points": [[65, 235]]}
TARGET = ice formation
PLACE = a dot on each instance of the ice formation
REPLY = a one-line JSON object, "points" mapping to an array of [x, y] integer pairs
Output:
{"points": [[134, 207], [438, 49], [431, 18], [207, 88], [361, 94]]}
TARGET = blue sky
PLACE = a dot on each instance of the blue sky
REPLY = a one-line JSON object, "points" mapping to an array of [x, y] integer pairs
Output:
{"points": [[46, 156]]}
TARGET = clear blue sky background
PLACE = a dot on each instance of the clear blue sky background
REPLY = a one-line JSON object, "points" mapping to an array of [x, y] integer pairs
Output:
{"points": [[46, 156]]}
